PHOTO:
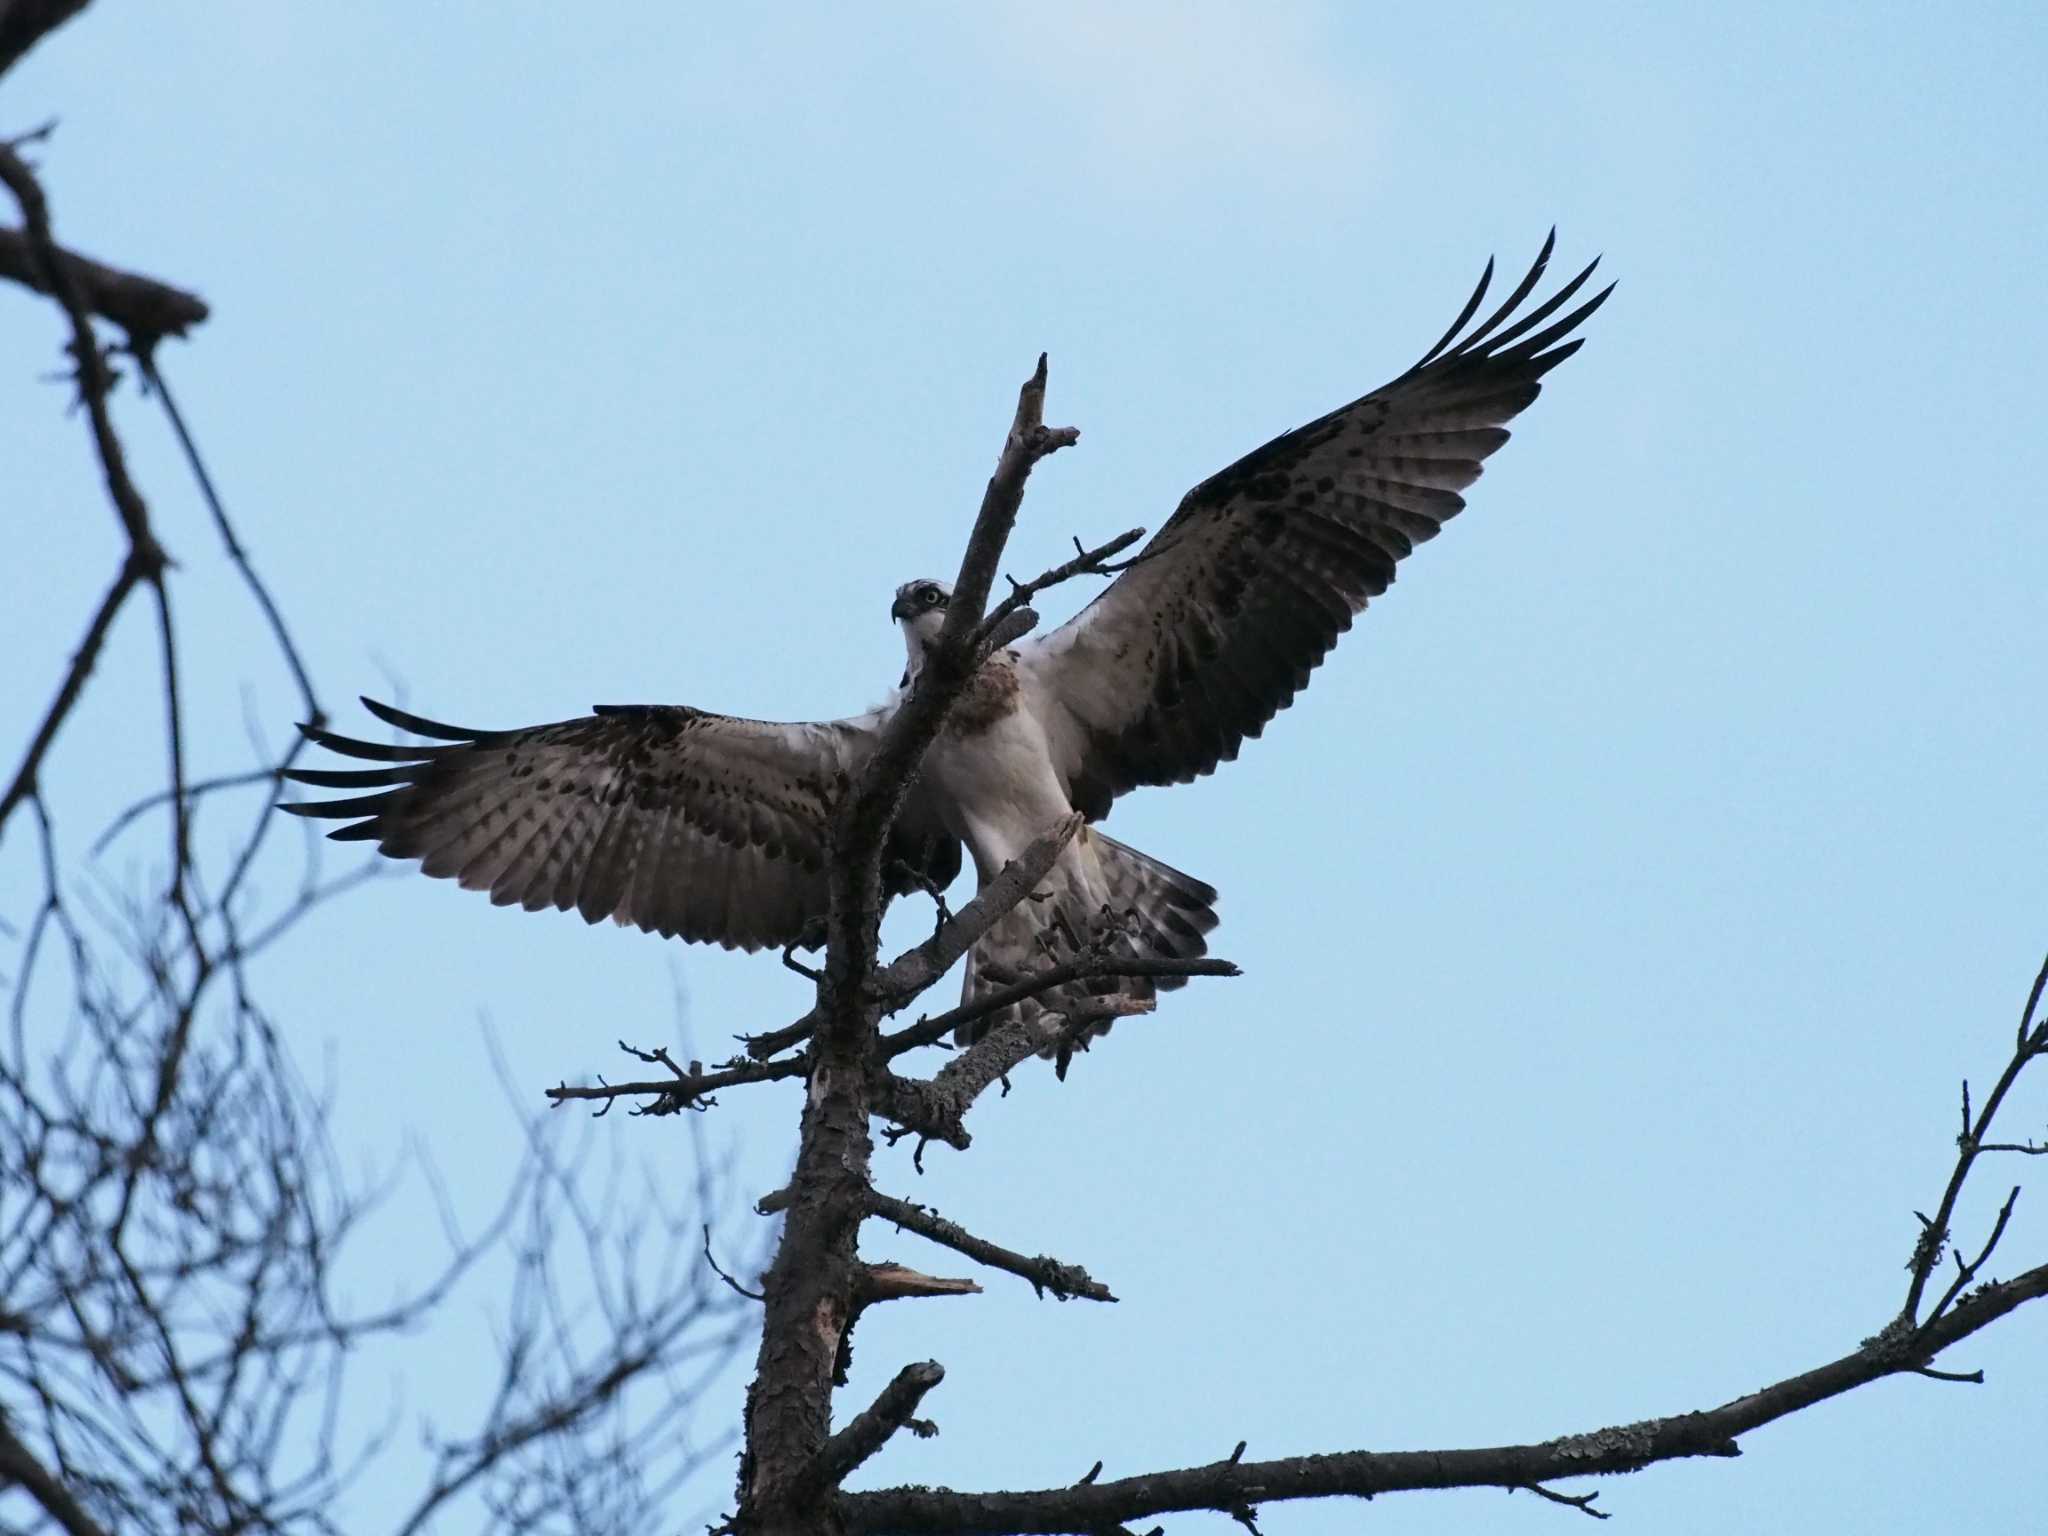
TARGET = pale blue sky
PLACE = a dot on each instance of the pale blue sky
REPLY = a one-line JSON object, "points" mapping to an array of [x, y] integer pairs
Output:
{"points": [[1621, 905]]}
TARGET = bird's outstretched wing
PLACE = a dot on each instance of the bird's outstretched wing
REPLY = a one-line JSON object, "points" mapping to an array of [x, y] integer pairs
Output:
{"points": [[1218, 623], [667, 818]]}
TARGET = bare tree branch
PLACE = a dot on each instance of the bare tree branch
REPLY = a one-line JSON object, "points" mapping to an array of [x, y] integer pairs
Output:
{"points": [[688, 1090], [810, 1287], [917, 968], [280, 634], [19, 1466], [936, 1108], [24, 23], [145, 560], [871, 1430], [145, 308], [1227, 1485], [172, 1357], [1086, 968], [1043, 1273], [1086, 562], [2030, 1043]]}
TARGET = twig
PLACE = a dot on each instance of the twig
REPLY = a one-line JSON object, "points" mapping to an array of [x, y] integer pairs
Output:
{"points": [[24, 23], [869, 1430], [2028, 1038], [19, 1466], [936, 1109], [688, 1089], [146, 309], [1086, 562], [281, 636], [145, 560], [193, 793], [1971, 1378], [1582, 1502], [718, 1270], [82, 662], [1043, 1273], [936, 1028], [1935, 1230], [917, 968], [1965, 1273]]}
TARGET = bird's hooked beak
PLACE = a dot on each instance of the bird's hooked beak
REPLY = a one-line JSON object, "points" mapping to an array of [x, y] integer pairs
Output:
{"points": [[902, 608]]}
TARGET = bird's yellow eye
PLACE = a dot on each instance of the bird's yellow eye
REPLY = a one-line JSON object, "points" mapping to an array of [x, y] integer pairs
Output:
{"points": [[928, 596]]}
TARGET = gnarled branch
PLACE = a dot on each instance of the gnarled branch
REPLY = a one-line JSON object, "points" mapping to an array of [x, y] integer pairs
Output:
{"points": [[1227, 1485]]}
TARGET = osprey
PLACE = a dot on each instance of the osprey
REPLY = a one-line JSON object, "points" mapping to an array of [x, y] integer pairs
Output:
{"points": [[711, 827]]}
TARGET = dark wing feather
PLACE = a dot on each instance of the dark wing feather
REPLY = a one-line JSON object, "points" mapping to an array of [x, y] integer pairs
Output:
{"points": [[671, 819], [1230, 606]]}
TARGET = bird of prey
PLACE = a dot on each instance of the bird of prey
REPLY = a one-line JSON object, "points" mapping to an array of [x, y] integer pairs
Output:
{"points": [[710, 827]]}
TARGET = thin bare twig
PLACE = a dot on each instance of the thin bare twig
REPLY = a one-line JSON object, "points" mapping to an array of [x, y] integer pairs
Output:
{"points": [[1087, 968], [911, 972], [1086, 562], [1043, 1273], [1582, 1502], [145, 559], [280, 635], [719, 1270], [2030, 1043], [688, 1090]]}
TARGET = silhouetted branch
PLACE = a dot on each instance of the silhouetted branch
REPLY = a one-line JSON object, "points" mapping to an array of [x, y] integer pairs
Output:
{"points": [[1043, 1273], [862, 823], [916, 969], [811, 1285], [911, 972], [19, 1467], [172, 1357], [1086, 562], [1223, 1486], [688, 1090], [870, 1430], [280, 634], [69, 689], [24, 23], [2029, 1043], [1582, 1502], [1235, 1486], [936, 1109], [1088, 967], [143, 307]]}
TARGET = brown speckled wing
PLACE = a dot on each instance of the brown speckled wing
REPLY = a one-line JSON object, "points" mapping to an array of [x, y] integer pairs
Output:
{"points": [[671, 819], [1236, 600]]}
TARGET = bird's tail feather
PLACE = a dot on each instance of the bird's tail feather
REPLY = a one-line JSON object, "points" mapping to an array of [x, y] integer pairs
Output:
{"points": [[1152, 910], [1171, 912]]}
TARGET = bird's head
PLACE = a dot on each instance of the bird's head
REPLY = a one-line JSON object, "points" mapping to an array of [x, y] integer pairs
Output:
{"points": [[920, 608]]}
